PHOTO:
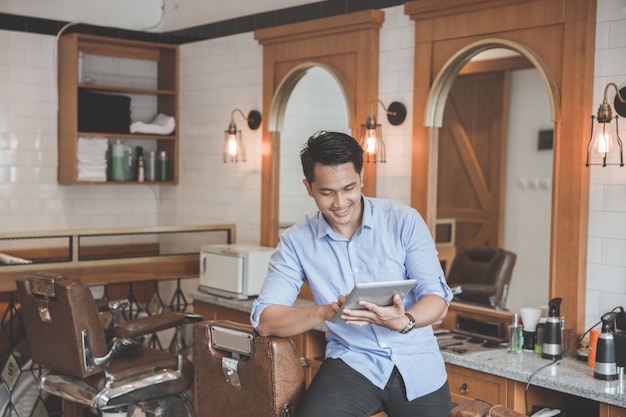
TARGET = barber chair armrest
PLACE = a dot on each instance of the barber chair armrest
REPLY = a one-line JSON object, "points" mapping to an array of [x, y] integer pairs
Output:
{"points": [[153, 324], [108, 305]]}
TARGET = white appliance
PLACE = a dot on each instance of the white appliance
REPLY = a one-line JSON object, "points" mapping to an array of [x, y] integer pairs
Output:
{"points": [[233, 270]]}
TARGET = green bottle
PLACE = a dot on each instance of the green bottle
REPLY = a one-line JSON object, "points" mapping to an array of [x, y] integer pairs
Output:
{"points": [[163, 168]]}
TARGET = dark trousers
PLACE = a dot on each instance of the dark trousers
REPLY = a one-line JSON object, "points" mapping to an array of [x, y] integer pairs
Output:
{"points": [[339, 391]]}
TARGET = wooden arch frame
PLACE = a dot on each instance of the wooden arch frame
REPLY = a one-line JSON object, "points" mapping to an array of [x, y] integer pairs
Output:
{"points": [[561, 33], [348, 46]]}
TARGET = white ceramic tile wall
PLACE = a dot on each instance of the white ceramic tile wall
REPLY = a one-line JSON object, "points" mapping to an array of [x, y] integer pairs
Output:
{"points": [[30, 197], [395, 83], [217, 76]]}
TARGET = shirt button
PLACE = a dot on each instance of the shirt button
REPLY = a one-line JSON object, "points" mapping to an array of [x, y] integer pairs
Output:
{"points": [[356, 269], [383, 345]]}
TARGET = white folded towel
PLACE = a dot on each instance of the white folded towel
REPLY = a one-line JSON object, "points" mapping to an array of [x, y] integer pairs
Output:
{"points": [[92, 158], [160, 125]]}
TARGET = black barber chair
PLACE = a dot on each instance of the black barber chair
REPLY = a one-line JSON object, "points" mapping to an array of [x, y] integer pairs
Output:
{"points": [[482, 275], [67, 338]]}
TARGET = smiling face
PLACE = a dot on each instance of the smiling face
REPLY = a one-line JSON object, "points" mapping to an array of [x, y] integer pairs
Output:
{"points": [[337, 193]]}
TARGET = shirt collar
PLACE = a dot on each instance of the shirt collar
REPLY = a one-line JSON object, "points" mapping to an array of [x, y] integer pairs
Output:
{"points": [[323, 228]]}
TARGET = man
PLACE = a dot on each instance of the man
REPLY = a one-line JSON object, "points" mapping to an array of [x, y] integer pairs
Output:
{"points": [[381, 358]]}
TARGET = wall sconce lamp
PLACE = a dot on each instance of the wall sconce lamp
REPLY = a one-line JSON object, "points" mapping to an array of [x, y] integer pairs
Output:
{"points": [[234, 149], [601, 142], [372, 133]]}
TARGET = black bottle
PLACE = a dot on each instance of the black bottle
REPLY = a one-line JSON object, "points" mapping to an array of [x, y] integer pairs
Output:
{"points": [[606, 365], [552, 348]]}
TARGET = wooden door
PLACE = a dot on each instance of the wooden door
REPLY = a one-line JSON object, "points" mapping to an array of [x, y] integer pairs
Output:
{"points": [[472, 143]]}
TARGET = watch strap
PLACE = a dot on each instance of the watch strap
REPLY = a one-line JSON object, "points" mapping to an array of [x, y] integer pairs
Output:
{"points": [[409, 326]]}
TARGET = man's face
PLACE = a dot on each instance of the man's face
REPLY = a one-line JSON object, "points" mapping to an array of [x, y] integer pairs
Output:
{"points": [[337, 193]]}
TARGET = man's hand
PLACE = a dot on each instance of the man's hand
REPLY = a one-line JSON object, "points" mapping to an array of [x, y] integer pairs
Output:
{"points": [[391, 317], [428, 310]]}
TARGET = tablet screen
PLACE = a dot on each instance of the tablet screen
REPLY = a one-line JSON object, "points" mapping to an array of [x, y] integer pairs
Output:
{"points": [[380, 293]]}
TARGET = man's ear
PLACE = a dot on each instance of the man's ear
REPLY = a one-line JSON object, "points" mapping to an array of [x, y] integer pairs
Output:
{"points": [[307, 184]]}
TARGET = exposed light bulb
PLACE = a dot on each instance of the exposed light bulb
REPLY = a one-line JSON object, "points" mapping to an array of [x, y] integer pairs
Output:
{"points": [[603, 143], [370, 141], [232, 145]]}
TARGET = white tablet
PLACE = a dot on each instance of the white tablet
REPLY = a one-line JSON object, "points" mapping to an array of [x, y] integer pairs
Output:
{"points": [[380, 293]]}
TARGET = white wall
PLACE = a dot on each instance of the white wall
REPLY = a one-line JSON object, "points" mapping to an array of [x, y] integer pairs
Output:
{"points": [[221, 74], [218, 76]]}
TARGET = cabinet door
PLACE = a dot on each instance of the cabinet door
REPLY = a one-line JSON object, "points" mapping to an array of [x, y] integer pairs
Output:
{"points": [[612, 411], [466, 384]]}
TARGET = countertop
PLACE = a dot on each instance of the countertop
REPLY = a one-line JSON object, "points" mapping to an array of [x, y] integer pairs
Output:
{"points": [[567, 375]]}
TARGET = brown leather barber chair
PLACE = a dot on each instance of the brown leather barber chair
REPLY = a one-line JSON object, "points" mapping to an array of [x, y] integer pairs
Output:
{"points": [[67, 338], [482, 275], [241, 374]]}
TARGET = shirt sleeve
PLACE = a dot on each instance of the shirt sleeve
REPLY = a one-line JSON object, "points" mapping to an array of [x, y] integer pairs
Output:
{"points": [[422, 261], [282, 283]]}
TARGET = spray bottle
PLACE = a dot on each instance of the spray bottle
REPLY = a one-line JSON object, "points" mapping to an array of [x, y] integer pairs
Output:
{"points": [[606, 365], [552, 348]]}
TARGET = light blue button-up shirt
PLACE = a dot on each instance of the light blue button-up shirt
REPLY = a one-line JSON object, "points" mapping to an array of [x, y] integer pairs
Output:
{"points": [[392, 243]]}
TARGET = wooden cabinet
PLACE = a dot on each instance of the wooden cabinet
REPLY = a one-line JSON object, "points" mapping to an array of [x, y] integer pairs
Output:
{"points": [[612, 411], [466, 384], [144, 71]]}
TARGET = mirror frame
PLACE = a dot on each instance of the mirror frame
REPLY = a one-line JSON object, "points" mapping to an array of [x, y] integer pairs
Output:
{"points": [[559, 37], [346, 45]]}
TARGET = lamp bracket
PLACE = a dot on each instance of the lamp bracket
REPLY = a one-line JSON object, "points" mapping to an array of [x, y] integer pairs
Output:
{"points": [[396, 113], [619, 104], [254, 119]]}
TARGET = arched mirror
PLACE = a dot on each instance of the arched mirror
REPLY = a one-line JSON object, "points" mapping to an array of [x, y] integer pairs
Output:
{"points": [[561, 47], [316, 102], [494, 168], [347, 47]]}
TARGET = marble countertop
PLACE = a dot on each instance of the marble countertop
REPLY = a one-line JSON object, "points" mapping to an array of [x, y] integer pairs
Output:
{"points": [[566, 375]]}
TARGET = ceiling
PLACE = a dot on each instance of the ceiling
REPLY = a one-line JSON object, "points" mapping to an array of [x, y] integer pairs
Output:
{"points": [[144, 15]]}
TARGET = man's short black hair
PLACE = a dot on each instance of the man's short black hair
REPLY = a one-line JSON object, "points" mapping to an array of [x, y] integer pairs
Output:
{"points": [[332, 149]]}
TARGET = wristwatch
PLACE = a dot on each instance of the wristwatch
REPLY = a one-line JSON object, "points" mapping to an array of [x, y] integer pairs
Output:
{"points": [[409, 326]]}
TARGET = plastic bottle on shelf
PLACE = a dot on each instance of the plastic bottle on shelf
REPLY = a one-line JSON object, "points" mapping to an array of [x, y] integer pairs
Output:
{"points": [[118, 163], [163, 167], [140, 169], [150, 166], [81, 67], [129, 166]]}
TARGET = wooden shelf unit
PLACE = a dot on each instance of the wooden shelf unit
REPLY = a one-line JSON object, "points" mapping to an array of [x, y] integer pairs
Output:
{"points": [[166, 93]]}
